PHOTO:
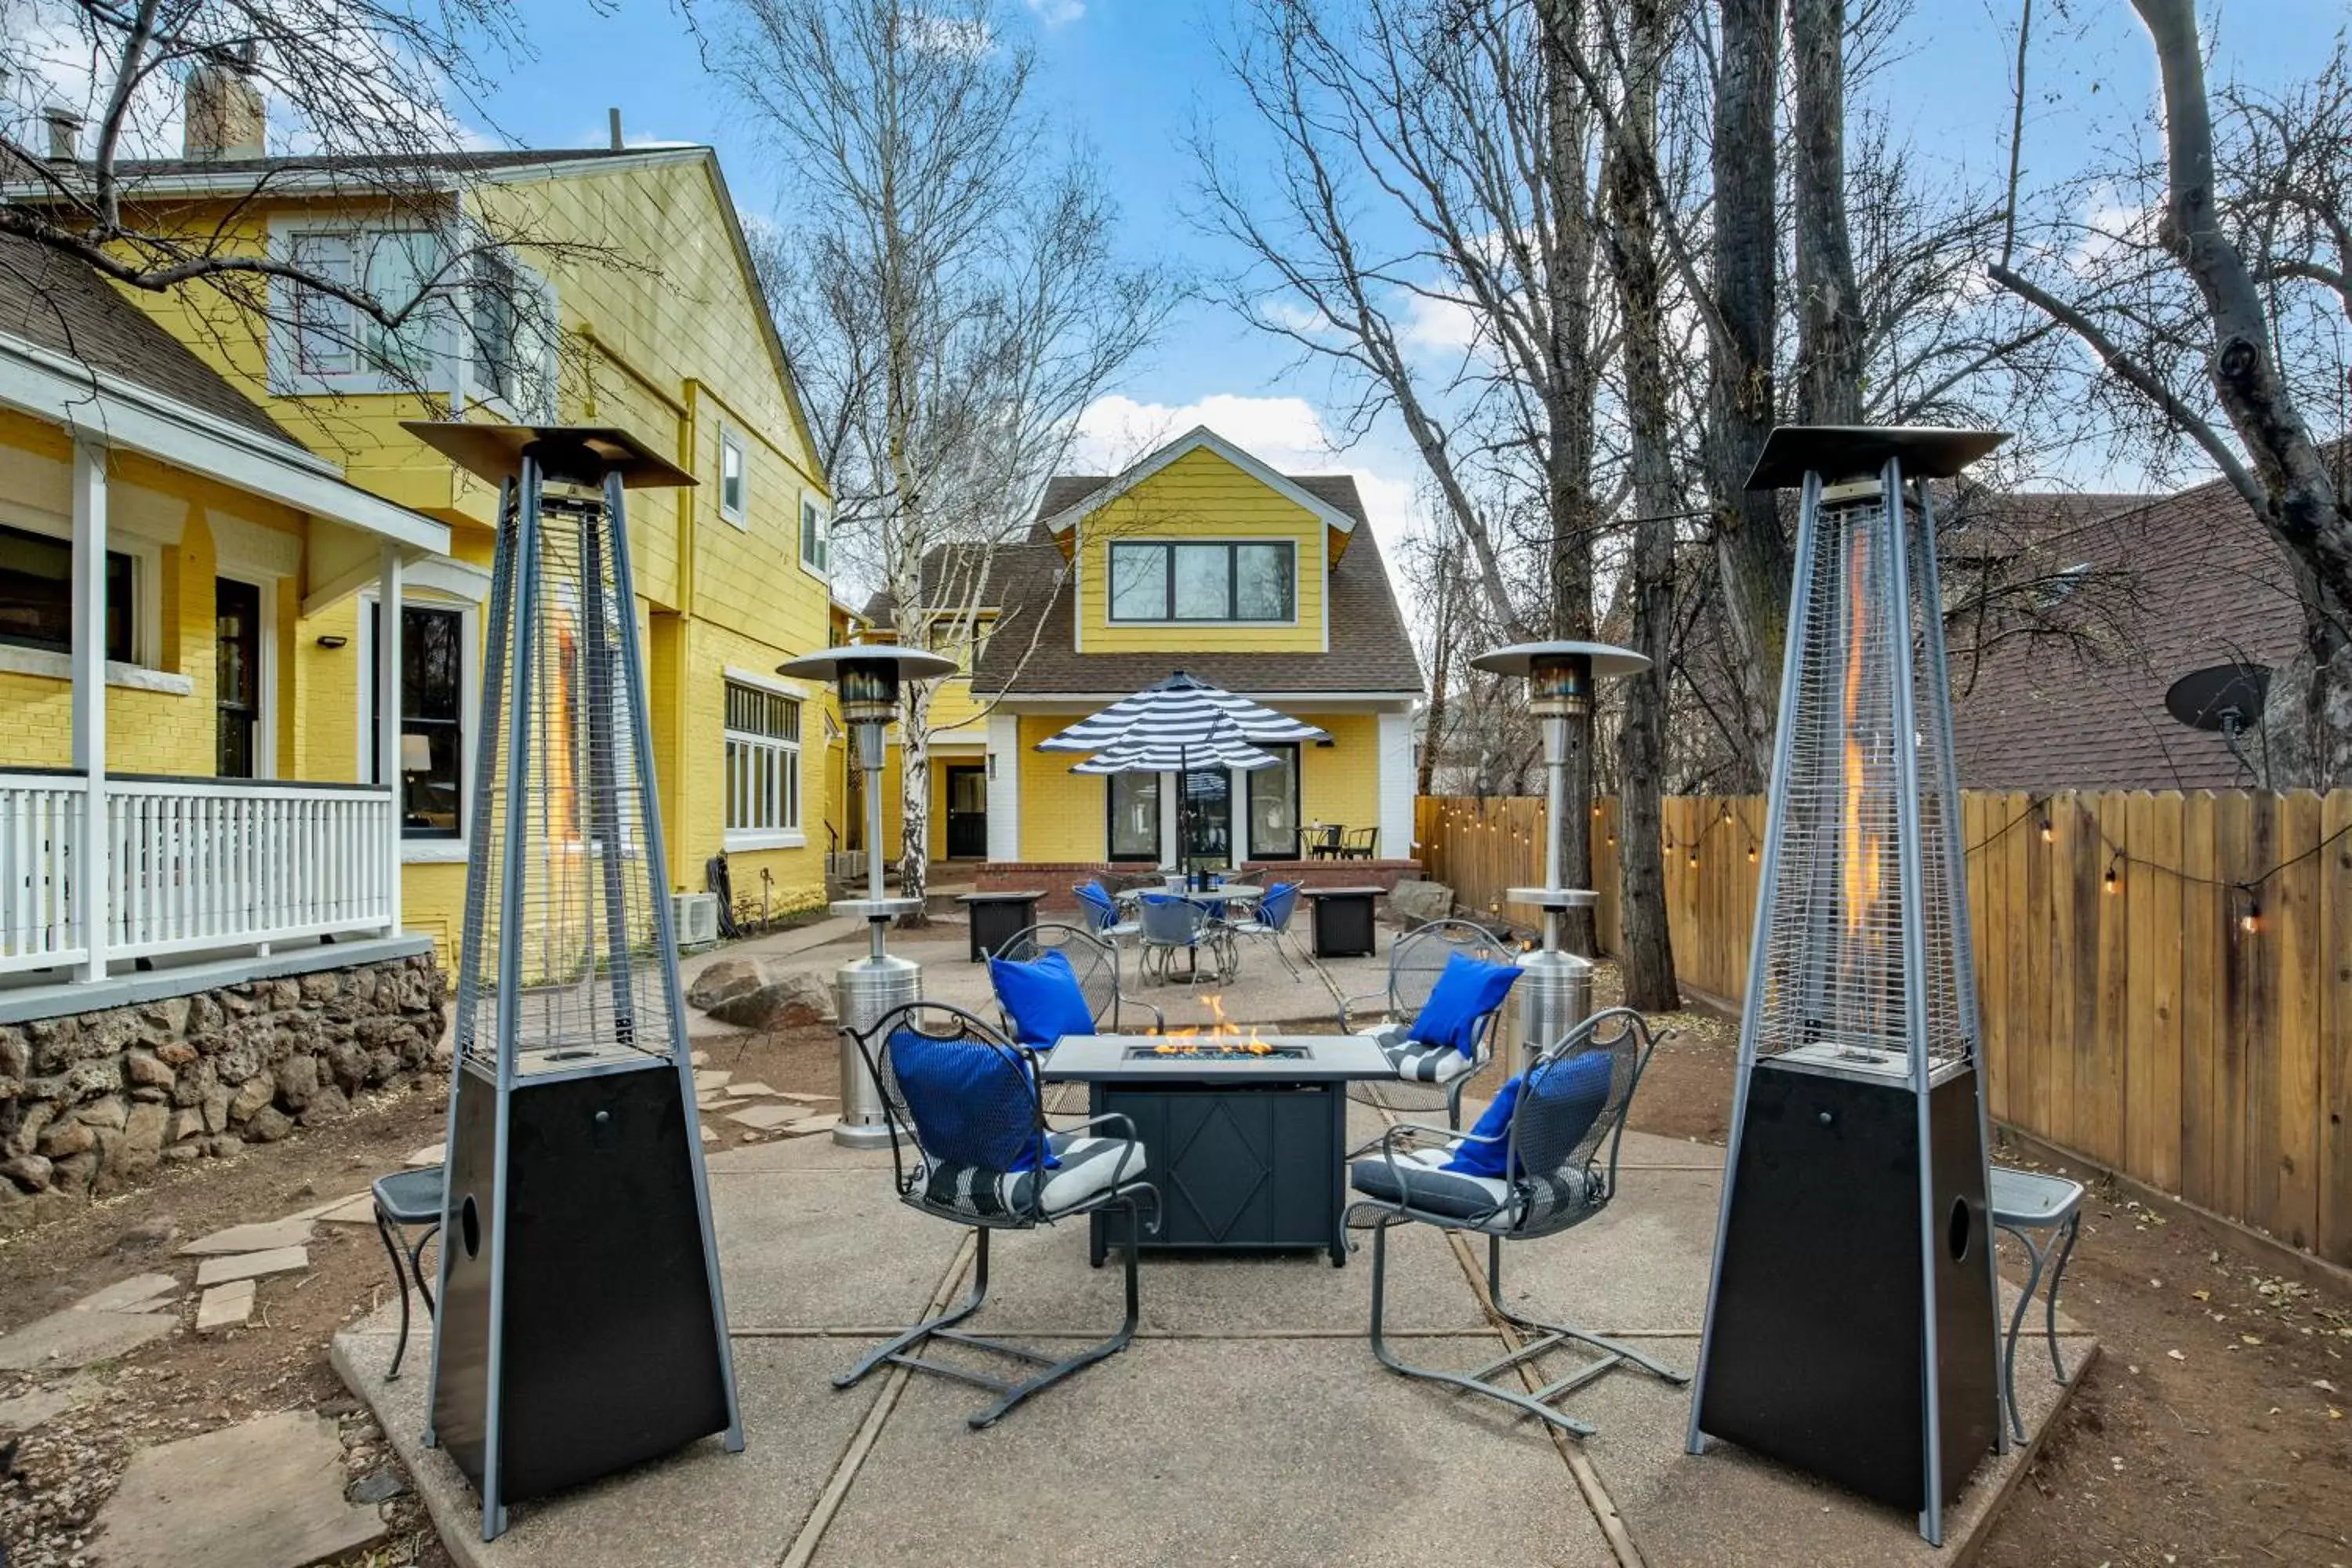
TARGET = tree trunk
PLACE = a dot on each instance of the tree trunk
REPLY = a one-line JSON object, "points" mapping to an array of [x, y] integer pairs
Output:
{"points": [[1647, 956], [1752, 555], [2304, 513], [1569, 415], [1433, 732], [915, 797], [1829, 309]]}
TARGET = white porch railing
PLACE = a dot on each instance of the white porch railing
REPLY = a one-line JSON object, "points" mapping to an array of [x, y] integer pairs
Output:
{"points": [[191, 864]]}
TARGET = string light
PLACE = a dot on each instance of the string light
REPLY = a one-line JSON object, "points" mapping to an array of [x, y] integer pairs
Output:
{"points": [[1751, 853], [2045, 828], [2114, 878]]}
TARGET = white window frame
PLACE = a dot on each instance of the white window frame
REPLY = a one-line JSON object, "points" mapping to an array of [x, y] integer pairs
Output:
{"points": [[147, 608], [429, 851], [792, 755], [816, 522], [1110, 582], [481, 384], [732, 442], [287, 378]]}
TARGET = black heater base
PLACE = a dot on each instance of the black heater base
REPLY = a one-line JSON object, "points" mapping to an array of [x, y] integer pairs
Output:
{"points": [[1816, 1329], [606, 1344]]}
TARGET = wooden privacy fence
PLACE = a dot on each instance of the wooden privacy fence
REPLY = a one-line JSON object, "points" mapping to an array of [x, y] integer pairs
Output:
{"points": [[2166, 979]]}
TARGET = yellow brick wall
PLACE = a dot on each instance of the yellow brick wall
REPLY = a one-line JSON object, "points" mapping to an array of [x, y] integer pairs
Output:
{"points": [[1200, 495], [1341, 782]]}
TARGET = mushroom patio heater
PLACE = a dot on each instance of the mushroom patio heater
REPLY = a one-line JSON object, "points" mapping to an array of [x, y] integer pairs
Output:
{"points": [[1554, 991], [867, 679], [1850, 1318], [581, 1326]]}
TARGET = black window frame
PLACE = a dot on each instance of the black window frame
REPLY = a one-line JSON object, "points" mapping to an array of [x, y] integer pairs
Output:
{"points": [[1110, 822], [1167, 616], [1298, 767], [453, 725], [122, 600]]}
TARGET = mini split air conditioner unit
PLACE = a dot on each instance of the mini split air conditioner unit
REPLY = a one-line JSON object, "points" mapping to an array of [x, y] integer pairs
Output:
{"points": [[695, 918]]}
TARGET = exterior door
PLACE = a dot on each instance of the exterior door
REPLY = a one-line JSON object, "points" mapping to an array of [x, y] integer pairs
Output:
{"points": [[967, 814], [1205, 820], [236, 653]]}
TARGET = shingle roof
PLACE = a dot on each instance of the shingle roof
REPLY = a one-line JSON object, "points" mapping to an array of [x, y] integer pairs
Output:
{"points": [[53, 301], [378, 164], [1369, 651], [2203, 583]]}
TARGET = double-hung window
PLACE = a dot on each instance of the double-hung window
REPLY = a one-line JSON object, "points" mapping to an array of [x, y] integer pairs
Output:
{"points": [[510, 320], [734, 501], [329, 344], [763, 767], [816, 546], [433, 658], [1226, 581]]}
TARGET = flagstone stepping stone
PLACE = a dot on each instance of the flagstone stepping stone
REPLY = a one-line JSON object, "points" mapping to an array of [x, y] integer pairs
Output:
{"points": [[137, 1294], [360, 1210], [806, 1099], [708, 1136], [29, 1409], [699, 1058], [711, 1078], [329, 1208], [253, 1265], [428, 1155], [764, 1118], [750, 1090], [267, 1237], [228, 1306], [71, 1339], [266, 1493], [808, 1124]]}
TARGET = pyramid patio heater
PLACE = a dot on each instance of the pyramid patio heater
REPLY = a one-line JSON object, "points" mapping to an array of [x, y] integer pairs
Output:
{"points": [[1554, 991], [581, 1327], [867, 678], [1850, 1318]]}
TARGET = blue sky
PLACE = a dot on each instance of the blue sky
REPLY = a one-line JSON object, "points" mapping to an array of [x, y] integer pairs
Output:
{"points": [[1130, 76]]}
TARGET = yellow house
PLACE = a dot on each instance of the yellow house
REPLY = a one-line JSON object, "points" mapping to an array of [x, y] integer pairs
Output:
{"points": [[1199, 558], [622, 295]]}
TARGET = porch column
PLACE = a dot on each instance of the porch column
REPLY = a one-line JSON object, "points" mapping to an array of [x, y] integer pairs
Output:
{"points": [[1003, 786], [388, 717], [92, 874], [1396, 785]]}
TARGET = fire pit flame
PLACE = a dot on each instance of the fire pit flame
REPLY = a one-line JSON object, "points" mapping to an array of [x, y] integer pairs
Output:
{"points": [[1222, 1038]]}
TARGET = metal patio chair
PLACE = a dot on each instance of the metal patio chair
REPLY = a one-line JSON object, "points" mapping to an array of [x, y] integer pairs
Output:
{"points": [[1173, 925], [1270, 922], [1554, 1145], [1426, 1079], [1103, 915], [405, 1201], [1363, 844], [1095, 963], [950, 1162]]}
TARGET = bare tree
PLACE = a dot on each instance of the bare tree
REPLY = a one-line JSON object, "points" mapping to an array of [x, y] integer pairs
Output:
{"points": [[958, 271], [2179, 322], [1829, 306]]}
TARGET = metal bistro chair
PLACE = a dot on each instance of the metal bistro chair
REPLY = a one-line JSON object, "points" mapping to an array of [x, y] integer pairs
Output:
{"points": [[1427, 1077], [1094, 963], [949, 1159], [1553, 1145], [1363, 844], [1173, 925], [2024, 1202], [405, 1200], [1270, 921], [1323, 841], [1103, 916]]}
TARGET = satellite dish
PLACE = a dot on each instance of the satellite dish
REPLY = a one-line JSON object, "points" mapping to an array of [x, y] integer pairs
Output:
{"points": [[2223, 697]]}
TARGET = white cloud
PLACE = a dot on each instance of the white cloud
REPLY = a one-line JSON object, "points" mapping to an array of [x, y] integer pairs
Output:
{"points": [[1054, 13], [1432, 325], [964, 37]]}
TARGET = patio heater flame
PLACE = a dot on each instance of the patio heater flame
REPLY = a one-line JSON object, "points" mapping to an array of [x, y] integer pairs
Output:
{"points": [[1858, 1159]]}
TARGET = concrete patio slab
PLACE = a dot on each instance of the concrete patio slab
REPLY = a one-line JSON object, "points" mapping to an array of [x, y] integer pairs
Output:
{"points": [[1728, 1509], [700, 1508], [1640, 1264], [818, 1250], [1186, 1452], [1647, 1150]]}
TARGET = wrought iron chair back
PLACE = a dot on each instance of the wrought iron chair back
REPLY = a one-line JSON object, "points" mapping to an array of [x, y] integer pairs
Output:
{"points": [[1415, 960], [1563, 1183], [1016, 1114], [1094, 963]]}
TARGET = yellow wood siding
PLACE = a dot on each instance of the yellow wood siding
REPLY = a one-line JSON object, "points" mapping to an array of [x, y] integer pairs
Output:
{"points": [[1200, 495]]}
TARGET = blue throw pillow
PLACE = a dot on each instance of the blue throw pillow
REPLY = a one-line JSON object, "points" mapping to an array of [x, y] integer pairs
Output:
{"points": [[1042, 999], [1466, 993], [974, 1103], [1486, 1159]]}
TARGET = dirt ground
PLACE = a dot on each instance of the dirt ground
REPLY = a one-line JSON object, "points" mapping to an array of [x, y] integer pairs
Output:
{"points": [[2212, 1429]]}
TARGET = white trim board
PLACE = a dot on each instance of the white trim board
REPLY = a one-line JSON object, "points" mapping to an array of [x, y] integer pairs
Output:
{"points": [[1192, 441]]}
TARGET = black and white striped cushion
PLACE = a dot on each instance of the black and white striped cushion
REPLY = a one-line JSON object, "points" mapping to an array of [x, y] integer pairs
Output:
{"points": [[1088, 1167], [1418, 1180], [1416, 1062]]}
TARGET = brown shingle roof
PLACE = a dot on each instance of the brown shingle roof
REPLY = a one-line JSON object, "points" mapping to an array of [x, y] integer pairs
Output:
{"points": [[1369, 651], [2203, 583], [53, 301]]}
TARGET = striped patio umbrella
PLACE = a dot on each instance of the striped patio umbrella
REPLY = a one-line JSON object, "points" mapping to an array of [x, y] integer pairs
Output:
{"points": [[1178, 725]]}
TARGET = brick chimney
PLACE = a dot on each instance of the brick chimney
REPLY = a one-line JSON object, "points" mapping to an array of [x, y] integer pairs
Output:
{"points": [[222, 113]]}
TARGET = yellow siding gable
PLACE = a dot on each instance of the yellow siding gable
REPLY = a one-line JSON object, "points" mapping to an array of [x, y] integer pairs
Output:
{"points": [[1200, 495]]}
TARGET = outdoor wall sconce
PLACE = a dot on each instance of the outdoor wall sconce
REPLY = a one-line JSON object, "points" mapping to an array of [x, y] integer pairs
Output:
{"points": [[334, 640]]}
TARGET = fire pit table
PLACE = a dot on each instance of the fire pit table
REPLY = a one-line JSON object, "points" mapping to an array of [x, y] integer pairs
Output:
{"points": [[1246, 1136]]}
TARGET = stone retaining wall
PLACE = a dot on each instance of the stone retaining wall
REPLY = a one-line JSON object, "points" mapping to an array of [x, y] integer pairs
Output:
{"points": [[92, 1102]]}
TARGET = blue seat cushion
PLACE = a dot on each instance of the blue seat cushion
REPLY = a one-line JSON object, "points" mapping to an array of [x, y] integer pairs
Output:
{"points": [[1566, 1099], [973, 1103], [1042, 997], [1468, 989]]}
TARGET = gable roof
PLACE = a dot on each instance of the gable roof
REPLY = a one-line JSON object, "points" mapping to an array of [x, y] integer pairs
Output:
{"points": [[1103, 491], [51, 301], [1370, 654], [2202, 582]]}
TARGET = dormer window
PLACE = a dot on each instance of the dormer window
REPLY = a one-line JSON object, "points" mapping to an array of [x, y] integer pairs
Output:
{"points": [[1204, 581]]}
